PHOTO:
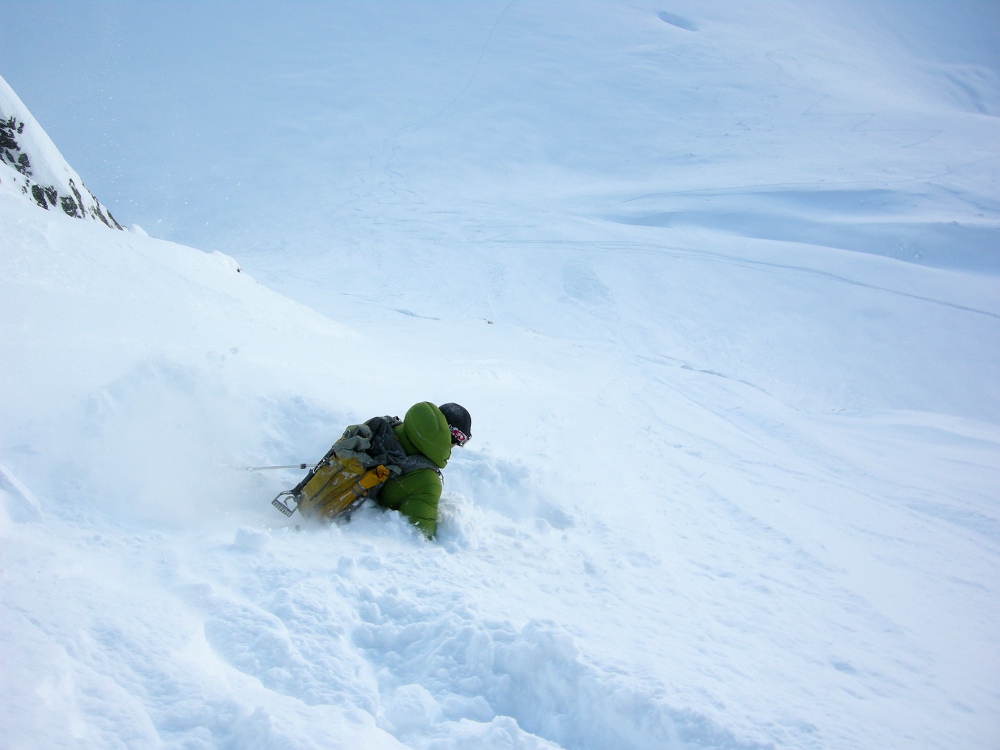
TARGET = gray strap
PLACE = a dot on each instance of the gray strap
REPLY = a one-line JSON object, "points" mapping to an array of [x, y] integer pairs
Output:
{"points": [[417, 462]]}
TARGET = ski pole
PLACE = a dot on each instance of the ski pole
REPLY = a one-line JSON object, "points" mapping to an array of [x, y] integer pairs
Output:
{"points": [[286, 466]]}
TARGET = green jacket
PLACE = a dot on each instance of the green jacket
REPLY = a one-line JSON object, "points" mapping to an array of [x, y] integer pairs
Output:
{"points": [[415, 494]]}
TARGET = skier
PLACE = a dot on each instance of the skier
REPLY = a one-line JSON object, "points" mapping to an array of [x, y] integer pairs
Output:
{"points": [[427, 435], [396, 462]]}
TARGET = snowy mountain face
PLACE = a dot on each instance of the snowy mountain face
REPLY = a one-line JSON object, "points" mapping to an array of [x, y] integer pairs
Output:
{"points": [[32, 165], [717, 281]]}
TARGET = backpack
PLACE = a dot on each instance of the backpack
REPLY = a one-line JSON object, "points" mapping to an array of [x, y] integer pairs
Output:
{"points": [[354, 468]]}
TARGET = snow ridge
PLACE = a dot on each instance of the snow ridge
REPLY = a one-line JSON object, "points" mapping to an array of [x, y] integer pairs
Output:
{"points": [[33, 166]]}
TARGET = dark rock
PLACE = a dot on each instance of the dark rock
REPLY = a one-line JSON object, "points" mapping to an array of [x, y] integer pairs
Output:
{"points": [[69, 206], [76, 194], [39, 195]]}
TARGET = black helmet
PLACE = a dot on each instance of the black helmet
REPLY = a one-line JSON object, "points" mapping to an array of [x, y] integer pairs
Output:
{"points": [[459, 420]]}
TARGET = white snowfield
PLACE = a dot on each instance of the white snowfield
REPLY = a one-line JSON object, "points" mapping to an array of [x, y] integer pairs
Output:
{"points": [[719, 283]]}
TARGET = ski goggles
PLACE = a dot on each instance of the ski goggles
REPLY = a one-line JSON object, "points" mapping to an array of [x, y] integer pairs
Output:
{"points": [[458, 437]]}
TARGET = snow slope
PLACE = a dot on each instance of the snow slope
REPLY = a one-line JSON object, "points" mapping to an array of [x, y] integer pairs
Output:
{"points": [[718, 283]]}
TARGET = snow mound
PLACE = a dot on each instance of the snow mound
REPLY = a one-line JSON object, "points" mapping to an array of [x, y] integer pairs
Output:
{"points": [[30, 164]]}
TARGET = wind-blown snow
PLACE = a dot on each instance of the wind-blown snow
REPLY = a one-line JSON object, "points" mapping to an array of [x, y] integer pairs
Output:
{"points": [[718, 282]]}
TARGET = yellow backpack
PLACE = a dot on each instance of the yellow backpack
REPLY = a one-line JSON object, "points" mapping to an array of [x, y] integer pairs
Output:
{"points": [[346, 475], [337, 487]]}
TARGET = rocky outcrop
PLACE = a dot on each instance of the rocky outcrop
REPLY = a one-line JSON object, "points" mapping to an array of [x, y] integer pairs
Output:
{"points": [[32, 165]]}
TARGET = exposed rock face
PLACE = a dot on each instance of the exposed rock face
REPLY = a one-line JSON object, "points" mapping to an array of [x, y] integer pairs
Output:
{"points": [[32, 165]]}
